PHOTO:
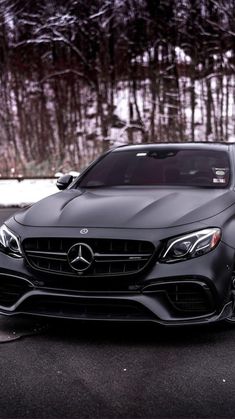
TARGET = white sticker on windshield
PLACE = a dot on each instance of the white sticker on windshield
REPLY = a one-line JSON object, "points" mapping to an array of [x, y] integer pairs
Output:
{"points": [[219, 180], [141, 154], [220, 172]]}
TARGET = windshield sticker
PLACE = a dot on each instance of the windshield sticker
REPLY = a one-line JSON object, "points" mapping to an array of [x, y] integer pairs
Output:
{"points": [[220, 173], [219, 180]]}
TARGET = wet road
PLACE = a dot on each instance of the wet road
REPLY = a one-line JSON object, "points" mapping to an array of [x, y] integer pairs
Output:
{"points": [[54, 369]]}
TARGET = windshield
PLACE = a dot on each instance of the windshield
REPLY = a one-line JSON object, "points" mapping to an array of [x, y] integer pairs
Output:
{"points": [[160, 167]]}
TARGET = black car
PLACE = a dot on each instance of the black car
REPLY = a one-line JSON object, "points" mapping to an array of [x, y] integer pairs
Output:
{"points": [[145, 233]]}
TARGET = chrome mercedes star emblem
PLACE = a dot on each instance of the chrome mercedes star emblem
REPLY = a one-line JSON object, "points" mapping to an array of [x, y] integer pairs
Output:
{"points": [[80, 257]]}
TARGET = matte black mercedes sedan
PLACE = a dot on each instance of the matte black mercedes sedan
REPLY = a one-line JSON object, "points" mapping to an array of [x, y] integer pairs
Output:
{"points": [[145, 233]]}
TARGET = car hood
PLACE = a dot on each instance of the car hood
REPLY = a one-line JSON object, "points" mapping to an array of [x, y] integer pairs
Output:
{"points": [[126, 208]]}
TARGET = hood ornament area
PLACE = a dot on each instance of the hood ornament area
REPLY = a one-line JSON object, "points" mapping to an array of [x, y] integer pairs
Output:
{"points": [[80, 257], [84, 231]]}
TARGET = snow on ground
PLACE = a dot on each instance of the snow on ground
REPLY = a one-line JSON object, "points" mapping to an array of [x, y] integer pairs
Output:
{"points": [[28, 191], [14, 193]]}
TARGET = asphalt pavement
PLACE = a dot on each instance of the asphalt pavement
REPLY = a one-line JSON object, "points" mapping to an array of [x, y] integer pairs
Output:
{"points": [[68, 369]]}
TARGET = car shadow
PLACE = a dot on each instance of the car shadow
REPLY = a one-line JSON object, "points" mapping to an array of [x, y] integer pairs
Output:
{"points": [[139, 333], [121, 333]]}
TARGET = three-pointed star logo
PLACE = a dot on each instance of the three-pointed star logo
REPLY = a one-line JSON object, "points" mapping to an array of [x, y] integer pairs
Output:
{"points": [[80, 257]]}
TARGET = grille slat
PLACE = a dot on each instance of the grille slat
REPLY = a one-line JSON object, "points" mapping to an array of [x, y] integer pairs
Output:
{"points": [[51, 254], [111, 257], [47, 256], [118, 260]]}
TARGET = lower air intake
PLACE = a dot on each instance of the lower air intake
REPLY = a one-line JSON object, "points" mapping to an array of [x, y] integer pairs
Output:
{"points": [[11, 289], [85, 308], [190, 298]]}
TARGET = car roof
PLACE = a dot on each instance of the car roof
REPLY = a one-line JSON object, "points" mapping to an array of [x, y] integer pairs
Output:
{"points": [[179, 145]]}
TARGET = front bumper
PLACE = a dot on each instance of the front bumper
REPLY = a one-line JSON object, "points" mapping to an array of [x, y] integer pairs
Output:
{"points": [[132, 307], [168, 294]]}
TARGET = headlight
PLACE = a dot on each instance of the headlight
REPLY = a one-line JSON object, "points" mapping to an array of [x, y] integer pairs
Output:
{"points": [[191, 245], [9, 242]]}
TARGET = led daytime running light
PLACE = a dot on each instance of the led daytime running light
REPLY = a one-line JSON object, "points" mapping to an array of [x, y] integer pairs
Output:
{"points": [[10, 241], [192, 249]]}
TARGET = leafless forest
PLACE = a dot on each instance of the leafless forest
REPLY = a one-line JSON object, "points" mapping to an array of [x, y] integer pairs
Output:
{"points": [[77, 76]]}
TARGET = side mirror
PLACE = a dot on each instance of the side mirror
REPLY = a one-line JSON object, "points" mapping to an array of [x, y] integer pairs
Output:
{"points": [[64, 181]]}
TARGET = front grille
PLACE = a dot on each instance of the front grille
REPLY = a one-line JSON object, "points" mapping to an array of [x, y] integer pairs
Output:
{"points": [[190, 298], [111, 257], [11, 289], [85, 308]]}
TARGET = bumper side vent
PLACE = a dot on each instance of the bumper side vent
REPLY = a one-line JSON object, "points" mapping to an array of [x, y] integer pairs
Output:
{"points": [[190, 298], [11, 289]]}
